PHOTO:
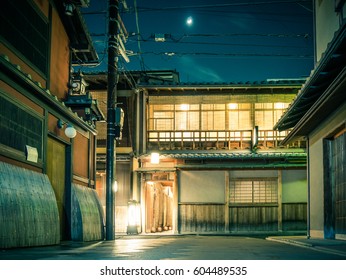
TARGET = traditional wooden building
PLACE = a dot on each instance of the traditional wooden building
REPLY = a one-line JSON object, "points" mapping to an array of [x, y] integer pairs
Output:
{"points": [[318, 115], [204, 158], [47, 150], [221, 167]]}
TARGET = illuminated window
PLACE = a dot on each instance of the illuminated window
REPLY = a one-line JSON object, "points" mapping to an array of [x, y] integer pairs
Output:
{"points": [[267, 114], [213, 117], [184, 107], [232, 106], [239, 116]]}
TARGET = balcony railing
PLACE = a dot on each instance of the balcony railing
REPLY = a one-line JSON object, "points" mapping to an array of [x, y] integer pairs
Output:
{"points": [[217, 140]]}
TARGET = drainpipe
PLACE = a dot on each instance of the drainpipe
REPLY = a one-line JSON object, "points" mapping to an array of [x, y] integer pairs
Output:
{"points": [[308, 179], [111, 104]]}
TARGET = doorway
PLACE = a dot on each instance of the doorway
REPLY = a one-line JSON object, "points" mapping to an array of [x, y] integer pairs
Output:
{"points": [[158, 207], [56, 156]]}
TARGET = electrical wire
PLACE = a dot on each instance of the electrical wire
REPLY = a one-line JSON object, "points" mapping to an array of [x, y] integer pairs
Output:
{"points": [[167, 53], [139, 44], [144, 9]]}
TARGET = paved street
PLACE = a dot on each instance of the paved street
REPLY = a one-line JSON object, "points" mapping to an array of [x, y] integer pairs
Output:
{"points": [[185, 247]]}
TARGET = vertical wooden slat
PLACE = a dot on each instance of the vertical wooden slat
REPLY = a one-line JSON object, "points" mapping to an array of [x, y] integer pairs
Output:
{"points": [[56, 175], [253, 218], [201, 217]]}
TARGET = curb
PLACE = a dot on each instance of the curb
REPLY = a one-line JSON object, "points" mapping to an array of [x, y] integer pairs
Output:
{"points": [[307, 245]]}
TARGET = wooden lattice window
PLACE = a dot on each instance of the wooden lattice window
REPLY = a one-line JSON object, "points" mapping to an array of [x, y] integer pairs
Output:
{"points": [[26, 31], [253, 190], [19, 127]]}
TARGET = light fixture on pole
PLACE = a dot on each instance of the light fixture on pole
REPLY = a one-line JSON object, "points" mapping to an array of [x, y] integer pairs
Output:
{"points": [[70, 131]]}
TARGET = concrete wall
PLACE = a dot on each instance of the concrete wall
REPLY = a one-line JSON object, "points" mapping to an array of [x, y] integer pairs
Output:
{"points": [[28, 210], [316, 168]]}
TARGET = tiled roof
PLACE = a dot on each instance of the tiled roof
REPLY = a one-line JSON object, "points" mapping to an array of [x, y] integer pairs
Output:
{"points": [[162, 84], [315, 89], [223, 155], [269, 82]]}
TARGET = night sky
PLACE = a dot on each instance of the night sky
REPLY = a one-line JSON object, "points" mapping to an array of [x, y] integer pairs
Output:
{"points": [[228, 41]]}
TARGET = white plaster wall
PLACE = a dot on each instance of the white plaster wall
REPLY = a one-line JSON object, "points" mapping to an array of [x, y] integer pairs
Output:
{"points": [[294, 186], [327, 22], [202, 186]]}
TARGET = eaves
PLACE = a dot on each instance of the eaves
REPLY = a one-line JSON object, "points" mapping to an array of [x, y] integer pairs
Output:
{"points": [[11, 72]]}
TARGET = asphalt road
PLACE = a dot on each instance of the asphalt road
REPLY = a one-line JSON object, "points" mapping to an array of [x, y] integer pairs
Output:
{"points": [[172, 248]]}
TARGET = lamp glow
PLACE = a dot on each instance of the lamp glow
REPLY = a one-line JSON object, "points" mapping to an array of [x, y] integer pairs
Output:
{"points": [[115, 186], [155, 158], [70, 131], [232, 106], [184, 107]]}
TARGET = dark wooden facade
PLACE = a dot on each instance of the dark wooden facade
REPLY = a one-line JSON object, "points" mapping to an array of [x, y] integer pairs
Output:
{"points": [[33, 87]]}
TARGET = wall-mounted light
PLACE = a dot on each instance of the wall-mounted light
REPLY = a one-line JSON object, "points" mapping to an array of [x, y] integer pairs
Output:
{"points": [[155, 158], [254, 137], [69, 8], [70, 131]]}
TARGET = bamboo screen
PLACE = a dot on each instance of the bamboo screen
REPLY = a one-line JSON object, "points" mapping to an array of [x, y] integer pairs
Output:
{"points": [[222, 112]]}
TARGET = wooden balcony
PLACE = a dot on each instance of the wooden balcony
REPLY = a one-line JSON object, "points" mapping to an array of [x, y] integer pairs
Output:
{"points": [[216, 140]]}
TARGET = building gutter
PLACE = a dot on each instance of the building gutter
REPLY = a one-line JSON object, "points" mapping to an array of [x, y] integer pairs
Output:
{"points": [[317, 78], [331, 98]]}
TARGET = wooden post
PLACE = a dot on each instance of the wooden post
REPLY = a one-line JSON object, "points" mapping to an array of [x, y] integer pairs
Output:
{"points": [[279, 200], [227, 201]]}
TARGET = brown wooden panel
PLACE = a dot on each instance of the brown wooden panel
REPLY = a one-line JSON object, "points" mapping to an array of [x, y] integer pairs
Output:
{"points": [[201, 217], [59, 59], [294, 216], [253, 218], [81, 156], [56, 174]]}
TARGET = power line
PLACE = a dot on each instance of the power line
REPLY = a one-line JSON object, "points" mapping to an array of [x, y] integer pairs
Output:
{"points": [[139, 44], [170, 54], [229, 44], [144, 9]]}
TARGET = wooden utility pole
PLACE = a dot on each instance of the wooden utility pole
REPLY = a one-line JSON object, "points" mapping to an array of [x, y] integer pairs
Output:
{"points": [[111, 104]]}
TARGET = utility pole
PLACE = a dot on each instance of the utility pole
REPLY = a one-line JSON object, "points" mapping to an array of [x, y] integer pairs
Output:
{"points": [[111, 104]]}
